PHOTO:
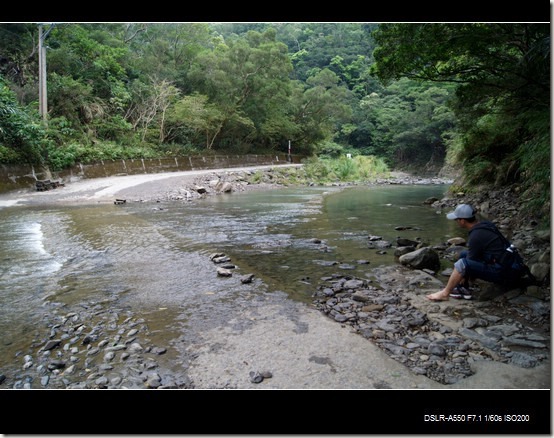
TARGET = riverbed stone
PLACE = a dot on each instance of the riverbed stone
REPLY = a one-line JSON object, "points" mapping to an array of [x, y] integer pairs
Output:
{"points": [[135, 348], [222, 272]]}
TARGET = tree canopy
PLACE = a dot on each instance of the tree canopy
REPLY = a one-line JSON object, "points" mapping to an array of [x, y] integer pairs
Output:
{"points": [[502, 97]]}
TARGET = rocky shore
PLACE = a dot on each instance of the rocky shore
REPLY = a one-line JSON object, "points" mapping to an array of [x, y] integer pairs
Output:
{"points": [[509, 324], [444, 341]]}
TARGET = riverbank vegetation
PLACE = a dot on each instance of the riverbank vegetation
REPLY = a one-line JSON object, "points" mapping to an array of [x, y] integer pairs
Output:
{"points": [[474, 97], [358, 168]]}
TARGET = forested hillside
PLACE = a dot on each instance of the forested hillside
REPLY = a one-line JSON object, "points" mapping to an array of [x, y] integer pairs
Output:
{"points": [[476, 95]]}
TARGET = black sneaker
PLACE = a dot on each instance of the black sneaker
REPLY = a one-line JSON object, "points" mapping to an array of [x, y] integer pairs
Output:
{"points": [[460, 292]]}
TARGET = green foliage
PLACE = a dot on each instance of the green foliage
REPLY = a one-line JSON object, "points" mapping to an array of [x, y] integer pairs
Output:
{"points": [[60, 129], [344, 48], [344, 168], [316, 169], [488, 144], [191, 118], [502, 76], [319, 108], [329, 149], [479, 170], [60, 157], [257, 177], [8, 155], [20, 131], [183, 84], [535, 158], [357, 169], [246, 82], [114, 128], [165, 51], [370, 167], [502, 150], [492, 57], [406, 123], [65, 156], [91, 57], [17, 41], [73, 100]]}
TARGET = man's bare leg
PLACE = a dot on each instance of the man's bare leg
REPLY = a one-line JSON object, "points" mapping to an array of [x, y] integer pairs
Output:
{"points": [[444, 294]]}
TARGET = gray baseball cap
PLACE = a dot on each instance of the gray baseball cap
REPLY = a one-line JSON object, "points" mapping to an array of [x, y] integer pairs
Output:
{"points": [[463, 211]]}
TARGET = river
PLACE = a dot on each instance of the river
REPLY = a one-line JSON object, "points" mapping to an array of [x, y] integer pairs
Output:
{"points": [[155, 259]]}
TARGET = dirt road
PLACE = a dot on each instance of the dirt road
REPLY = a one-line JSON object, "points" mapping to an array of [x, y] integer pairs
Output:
{"points": [[104, 189]]}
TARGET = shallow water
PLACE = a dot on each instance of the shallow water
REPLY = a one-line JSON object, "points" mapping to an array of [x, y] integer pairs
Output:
{"points": [[274, 235], [155, 257]]}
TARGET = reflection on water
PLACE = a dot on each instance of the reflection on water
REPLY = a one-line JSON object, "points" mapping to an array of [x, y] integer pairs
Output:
{"points": [[157, 256]]}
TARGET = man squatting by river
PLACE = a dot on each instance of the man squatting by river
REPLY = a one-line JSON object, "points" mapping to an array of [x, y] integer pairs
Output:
{"points": [[486, 247]]}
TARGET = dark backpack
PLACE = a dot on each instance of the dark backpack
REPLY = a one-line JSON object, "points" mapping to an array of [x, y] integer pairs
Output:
{"points": [[511, 260]]}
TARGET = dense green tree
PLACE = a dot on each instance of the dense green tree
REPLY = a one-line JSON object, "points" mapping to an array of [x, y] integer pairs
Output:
{"points": [[74, 100], [407, 123], [499, 68], [21, 134], [77, 52], [19, 60], [345, 48], [133, 82], [194, 120], [248, 81], [87, 80], [320, 108], [166, 51], [502, 73]]}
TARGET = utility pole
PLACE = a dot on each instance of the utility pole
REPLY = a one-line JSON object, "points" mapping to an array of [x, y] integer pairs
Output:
{"points": [[43, 98], [289, 157], [43, 101]]}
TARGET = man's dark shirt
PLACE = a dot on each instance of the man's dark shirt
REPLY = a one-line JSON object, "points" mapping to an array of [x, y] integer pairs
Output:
{"points": [[484, 244]]}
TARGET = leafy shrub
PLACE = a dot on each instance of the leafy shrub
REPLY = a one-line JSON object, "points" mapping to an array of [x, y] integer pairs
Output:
{"points": [[316, 168], [369, 167], [257, 177], [345, 168], [8, 155], [115, 128], [61, 157], [330, 149], [359, 168], [19, 130]]}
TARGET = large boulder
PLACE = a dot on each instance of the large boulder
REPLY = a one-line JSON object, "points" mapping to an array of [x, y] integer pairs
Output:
{"points": [[224, 187], [423, 258]]}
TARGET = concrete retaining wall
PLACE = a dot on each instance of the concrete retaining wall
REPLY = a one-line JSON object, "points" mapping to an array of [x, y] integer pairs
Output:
{"points": [[17, 177]]}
